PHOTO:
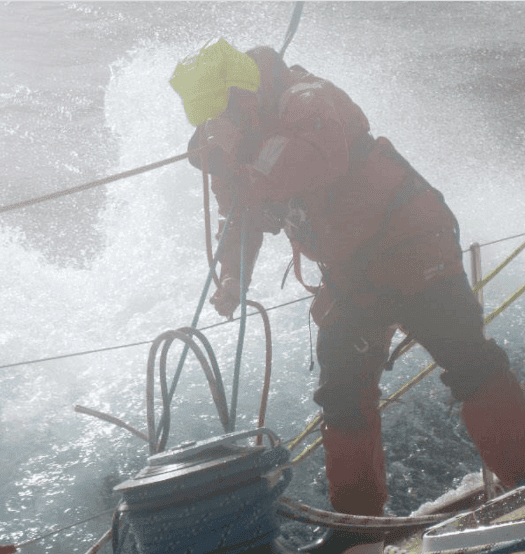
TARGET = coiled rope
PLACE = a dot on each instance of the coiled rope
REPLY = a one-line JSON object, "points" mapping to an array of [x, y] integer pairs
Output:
{"points": [[224, 510], [213, 377]]}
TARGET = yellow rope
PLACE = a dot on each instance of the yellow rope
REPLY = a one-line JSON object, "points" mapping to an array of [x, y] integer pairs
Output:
{"points": [[480, 284], [309, 450], [310, 428], [505, 304]]}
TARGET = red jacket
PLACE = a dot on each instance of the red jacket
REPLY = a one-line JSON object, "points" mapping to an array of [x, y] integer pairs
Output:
{"points": [[334, 188]]}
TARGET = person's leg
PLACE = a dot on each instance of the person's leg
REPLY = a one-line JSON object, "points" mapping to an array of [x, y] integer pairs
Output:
{"points": [[355, 463], [495, 419], [446, 320], [349, 395]]}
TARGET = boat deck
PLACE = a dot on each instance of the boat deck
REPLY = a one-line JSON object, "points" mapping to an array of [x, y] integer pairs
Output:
{"points": [[497, 523]]}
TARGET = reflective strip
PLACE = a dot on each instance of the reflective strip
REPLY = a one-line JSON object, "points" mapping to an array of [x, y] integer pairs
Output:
{"points": [[272, 150], [433, 271]]}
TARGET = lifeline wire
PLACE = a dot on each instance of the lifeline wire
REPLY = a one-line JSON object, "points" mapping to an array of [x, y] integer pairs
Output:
{"points": [[218, 324], [56, 531], [501, 240], [141, 343]]}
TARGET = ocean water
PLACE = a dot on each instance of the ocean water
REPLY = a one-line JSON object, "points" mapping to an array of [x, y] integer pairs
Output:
{"points": [[84, 93]]}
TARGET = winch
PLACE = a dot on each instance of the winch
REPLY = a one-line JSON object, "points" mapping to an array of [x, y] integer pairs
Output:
{"points": [[207, 496]]}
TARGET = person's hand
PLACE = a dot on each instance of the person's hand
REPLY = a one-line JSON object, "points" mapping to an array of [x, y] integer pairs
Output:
{"points": [[227, 297], [223, 133]]}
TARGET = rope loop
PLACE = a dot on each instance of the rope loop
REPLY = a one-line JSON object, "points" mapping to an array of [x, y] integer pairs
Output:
{"points": [[213, 376]]}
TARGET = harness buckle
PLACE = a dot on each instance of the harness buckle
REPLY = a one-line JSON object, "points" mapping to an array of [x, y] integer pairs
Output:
{"points": [[361, 349]]}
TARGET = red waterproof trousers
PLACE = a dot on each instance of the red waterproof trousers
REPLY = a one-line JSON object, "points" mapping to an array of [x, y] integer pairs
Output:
{"points": [[446, 319]]}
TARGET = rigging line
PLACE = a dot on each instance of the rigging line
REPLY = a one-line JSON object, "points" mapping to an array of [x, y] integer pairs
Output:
{"points": [[292, 27], [242, 327], [255, 313], [100, 182], [75, 354]]}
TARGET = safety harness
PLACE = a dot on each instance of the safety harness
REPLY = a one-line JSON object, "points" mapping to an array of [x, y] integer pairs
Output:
{"points": [[413, 185]]}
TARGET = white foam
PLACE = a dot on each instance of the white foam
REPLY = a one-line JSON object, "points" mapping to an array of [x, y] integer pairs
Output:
{"points": [[468, 483]]}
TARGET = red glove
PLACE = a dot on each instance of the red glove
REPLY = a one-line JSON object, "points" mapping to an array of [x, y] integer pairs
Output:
{"points": [[227, 297]]}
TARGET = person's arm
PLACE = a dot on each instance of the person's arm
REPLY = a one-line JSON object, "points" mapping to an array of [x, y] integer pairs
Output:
{"points": [[227, 297], [226, 176]]}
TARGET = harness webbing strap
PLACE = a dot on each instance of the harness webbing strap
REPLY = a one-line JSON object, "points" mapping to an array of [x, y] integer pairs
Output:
{"points": [[297, 267]]}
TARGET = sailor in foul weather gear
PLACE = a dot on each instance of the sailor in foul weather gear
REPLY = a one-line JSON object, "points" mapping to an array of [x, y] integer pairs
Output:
{"points": [[300, 154]]}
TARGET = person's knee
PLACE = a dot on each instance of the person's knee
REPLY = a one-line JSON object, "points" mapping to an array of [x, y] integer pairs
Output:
{"points": [[349, 418], [473, 368], [352, 404], [349, 382]]}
